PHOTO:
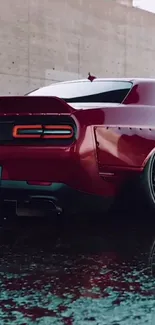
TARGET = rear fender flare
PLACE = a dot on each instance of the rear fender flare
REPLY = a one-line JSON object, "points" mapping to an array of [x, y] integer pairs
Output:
{"points": [[152, 152]]}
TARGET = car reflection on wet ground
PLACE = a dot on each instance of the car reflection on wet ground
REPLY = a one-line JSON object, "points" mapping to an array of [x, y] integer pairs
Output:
{"points": [[87, 273]]}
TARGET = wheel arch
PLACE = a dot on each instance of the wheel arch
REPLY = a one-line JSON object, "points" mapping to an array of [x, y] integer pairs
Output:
{"points": [[152, 152]]}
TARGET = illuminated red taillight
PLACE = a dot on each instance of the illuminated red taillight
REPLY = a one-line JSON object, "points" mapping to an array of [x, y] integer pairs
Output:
{"points": [[43, 132], [21, 131], [58, 132]]}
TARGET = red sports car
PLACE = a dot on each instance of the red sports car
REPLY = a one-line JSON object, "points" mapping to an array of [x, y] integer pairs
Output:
{"points": [[74, 145]]}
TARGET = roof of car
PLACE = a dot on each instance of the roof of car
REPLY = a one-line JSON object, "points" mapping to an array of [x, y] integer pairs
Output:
{"points": [[134, 79]]}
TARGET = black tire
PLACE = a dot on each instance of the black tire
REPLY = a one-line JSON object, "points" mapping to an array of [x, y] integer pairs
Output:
{"points": [[147, 185], [151, 260]]}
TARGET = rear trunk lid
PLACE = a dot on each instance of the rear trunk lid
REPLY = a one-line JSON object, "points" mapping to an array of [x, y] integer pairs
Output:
{"points": [[25, 105], [36, 121]]}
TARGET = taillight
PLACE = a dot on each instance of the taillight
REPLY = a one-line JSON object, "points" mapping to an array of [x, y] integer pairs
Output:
{"points": [[57, 132], [27, 131], [43, 131]]}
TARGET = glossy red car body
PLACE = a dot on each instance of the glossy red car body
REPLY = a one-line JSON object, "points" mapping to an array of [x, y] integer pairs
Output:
{"points": [[112, 143]]}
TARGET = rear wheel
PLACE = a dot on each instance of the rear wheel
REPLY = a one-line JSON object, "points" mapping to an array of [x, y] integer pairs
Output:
{"points": [[147, 184]]}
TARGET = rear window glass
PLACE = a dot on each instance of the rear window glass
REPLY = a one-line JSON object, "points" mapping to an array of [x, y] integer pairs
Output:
{"points": [[87, 92]]}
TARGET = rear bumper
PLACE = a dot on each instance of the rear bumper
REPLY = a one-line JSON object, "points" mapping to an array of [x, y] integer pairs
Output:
{"points": [[65, 197], [75, 165]]}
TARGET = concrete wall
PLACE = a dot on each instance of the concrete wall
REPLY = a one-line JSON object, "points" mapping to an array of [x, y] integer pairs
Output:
{"points": [[43, 41], [128, 3]]}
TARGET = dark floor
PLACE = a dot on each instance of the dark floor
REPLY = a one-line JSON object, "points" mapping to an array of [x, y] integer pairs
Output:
{"points": [[91, 271]]}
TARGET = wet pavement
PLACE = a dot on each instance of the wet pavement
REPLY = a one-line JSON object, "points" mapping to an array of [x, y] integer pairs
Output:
{"points": [[77, 273]]}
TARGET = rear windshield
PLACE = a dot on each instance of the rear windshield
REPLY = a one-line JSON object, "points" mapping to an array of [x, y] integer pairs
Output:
{"points": [[87, 92]]}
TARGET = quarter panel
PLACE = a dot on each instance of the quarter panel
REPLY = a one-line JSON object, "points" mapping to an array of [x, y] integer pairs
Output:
{"points": [[123, 146]]}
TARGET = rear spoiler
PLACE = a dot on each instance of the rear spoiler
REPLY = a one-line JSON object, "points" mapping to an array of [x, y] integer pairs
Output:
{"points": [[33, 105]]}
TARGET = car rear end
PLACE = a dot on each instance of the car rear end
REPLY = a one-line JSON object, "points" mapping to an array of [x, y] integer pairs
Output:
{"points": [[36, 149], [27, 137], [48, 149]]}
